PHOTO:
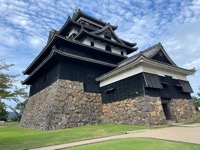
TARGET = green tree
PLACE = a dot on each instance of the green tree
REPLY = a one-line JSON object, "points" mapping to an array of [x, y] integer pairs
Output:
{"points": [[3, 112], [20, 107], [196, 100], [9, 91]]}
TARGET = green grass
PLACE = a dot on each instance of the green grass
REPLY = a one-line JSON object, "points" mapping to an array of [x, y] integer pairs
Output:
{"points": [[195, 119], [12, 136], [138, 144]]}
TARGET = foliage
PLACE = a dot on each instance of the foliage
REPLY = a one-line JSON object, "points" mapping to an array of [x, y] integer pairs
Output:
{"points": [[17, 138], [20, 107], [3, 112], [196, 100], [9, 91], [138, 144]]}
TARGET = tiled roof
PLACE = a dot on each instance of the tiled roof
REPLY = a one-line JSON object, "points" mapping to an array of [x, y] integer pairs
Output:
{"points": [[79, 12], [148, 53], [128, 49], [56, 52]]}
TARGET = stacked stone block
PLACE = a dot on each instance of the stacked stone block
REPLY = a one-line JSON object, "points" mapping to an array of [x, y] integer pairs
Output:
{"points": [[64, 104], [137, 111]]}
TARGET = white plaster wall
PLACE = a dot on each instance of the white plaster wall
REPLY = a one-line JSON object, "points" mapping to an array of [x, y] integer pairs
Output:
{"points": [[112, 39], [163, 72], [121, 76], [102, 46], [74, 30], [139, 69]]}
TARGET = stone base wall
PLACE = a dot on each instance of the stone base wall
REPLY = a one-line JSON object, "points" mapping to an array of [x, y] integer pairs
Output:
{"points": [[63, 104], [137, 111], [181, 109]]}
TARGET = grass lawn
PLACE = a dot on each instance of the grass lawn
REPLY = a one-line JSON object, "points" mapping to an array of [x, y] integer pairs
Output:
{"points": [[138, 144], [195, 119], [13, 137]]}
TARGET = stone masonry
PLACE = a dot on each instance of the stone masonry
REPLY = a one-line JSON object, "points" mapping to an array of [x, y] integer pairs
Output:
{"points": [[63, 104], [137, 111], [181, 109]]}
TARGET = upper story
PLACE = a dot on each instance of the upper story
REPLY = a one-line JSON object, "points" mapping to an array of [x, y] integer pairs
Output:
{"points": [[87, 37], [94, 32]]}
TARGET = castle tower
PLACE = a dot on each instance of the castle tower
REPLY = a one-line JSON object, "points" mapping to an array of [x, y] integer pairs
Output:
{"points": [[83, 76]]}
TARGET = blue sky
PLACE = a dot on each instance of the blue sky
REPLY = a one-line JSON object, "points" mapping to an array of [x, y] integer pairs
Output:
{"points": [[24, 27]]}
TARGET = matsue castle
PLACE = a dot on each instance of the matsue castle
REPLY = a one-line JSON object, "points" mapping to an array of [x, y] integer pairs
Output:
{"points": [[84, 76]]}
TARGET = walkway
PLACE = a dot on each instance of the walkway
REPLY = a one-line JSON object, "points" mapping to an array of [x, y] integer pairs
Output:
{"points": [[180, 133]]}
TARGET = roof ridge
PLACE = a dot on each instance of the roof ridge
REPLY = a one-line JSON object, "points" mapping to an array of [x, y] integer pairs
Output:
{"points": [[80, 11]]}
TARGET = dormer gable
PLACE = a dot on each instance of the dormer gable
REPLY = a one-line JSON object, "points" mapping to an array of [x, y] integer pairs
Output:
{"points": [[108, 33], [158, 53], [161, 55]]}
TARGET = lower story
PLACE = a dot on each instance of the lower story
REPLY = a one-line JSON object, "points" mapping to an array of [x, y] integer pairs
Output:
{"points": [[65, 104]]}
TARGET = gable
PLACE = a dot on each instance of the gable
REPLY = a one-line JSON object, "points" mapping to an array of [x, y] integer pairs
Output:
{"points": [[160, 56], [108, 33]]}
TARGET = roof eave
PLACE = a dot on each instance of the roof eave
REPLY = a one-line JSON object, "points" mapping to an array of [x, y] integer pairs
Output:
{"points": [[81, 44], [44, 49], [82, 32], [55, 51], [143, 59], [33, 72]]}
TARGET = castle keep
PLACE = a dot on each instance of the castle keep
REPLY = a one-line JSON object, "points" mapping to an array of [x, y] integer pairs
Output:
{"points": [[83, 76]]}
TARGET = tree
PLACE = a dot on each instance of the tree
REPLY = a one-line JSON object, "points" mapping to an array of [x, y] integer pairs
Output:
{"points": [[9, 90], [20, 107], [196, 100], [3, 112]]}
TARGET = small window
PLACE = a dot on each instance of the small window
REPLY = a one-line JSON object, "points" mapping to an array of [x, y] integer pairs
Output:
{"points": [[122, 53], [72, 35], [108, 48], [92, 44]]}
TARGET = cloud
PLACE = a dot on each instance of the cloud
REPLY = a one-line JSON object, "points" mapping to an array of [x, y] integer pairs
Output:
{"points": [[25, 26], [195, 63]]}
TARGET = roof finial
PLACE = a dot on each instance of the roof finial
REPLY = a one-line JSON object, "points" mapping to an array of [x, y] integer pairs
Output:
{"points": [[75, 11]]}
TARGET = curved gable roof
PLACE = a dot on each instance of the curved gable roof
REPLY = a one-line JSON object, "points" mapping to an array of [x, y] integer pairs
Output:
{"points": [[149, 53], [141, 59], [113, 35], [105, 29], [79, 14], [84, 33]]}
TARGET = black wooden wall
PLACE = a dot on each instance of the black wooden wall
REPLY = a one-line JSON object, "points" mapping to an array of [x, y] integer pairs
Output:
{"points": [[141, 84], [171, 89], [70, 70], [45, 78], [83, 72], [90, 53], [123, 89]]}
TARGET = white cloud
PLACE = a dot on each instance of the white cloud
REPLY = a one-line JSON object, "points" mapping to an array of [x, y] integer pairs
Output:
{"points": [[25, 25], [195, 63]]}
